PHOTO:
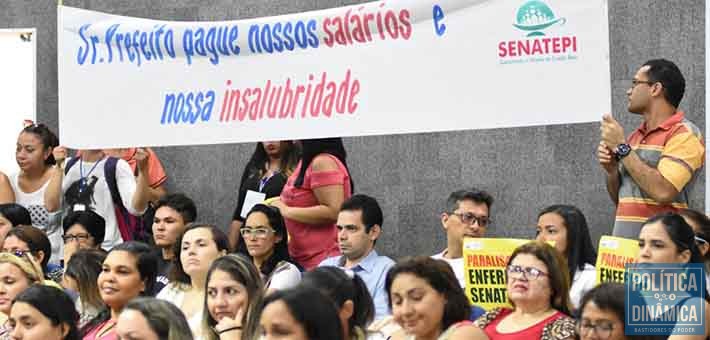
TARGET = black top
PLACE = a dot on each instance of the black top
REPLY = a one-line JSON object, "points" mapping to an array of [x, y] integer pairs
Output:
{"points": [[272, 188], [161, 280]]}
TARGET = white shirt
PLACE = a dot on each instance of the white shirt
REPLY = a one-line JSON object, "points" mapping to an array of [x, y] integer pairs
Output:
{"points": [[456, 264], [175, 294], [583, 281], [285, 275], [102, 202], [48, 222]]}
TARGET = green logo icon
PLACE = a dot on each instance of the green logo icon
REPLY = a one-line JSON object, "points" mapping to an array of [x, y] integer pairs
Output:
{"points": [[535, 16]]}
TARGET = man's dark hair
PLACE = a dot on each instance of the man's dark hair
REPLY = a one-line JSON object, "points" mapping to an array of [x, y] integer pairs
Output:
{"points": [[668, 74], [471, 194], [371, 211], [180, 203]]}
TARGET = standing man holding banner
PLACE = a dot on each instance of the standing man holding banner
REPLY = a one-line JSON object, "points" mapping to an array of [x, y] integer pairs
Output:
{"points": [[467, 215], [653, 170]]}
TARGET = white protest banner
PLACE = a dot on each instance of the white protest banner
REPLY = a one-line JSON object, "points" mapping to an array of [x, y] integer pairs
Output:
{"points": [[376, 68], [18, 88]]}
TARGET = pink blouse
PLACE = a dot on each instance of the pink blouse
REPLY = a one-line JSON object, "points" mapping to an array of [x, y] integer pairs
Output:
{"points": [[108, 335], [310, 244]]}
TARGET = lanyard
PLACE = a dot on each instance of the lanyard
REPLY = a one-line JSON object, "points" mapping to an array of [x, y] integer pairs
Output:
{"points": [[263, 181], [82, 178]]}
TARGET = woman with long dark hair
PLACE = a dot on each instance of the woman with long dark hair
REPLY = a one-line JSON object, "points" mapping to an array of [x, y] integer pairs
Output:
{"points": [[233, 299], [311, 200], [81, 275], [428, 302], [43, 313], [128, 272], [667, 238], [350, 296], [265, 243], [566, 226], [266, 172], [33, 154], [300, 313]]}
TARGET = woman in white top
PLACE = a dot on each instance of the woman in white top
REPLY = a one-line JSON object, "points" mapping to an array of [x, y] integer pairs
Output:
{"points": [[34, 157], [566, 226], [195, 250], [265, 242]]}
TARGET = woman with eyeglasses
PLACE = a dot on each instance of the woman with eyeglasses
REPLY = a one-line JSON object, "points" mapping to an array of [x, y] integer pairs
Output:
{"points": [[26, 238], [566, 226], [539, 293], [701, 227], [428, 302], [82, 230], [127, 272], [602, 311], [233, 299], [265, 242], [195, 250], [16, 274], [266, 172], [667, 238]]}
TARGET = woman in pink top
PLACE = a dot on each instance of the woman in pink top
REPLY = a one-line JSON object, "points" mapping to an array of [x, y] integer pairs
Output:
{"points": [[127, 272], [539, 293], [311, 199]]}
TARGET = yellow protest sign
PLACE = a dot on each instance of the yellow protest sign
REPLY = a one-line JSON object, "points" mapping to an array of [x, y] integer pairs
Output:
{"points": [[614, 253], [484, 269]]}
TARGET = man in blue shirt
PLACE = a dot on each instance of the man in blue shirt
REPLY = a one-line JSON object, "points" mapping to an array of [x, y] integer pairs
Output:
{"points": [[359, 225]]}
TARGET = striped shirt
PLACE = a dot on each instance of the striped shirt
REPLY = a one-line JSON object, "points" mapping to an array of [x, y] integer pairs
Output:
{"points": [[676, 148]]}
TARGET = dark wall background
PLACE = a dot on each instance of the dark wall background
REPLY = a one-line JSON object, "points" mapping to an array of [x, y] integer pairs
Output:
{"points": [[525, 169]]}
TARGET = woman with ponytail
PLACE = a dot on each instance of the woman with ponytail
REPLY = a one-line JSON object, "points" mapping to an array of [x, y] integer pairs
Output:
{"points": [[350, 295]]}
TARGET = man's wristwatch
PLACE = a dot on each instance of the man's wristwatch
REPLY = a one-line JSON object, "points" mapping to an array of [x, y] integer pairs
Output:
{"points": [[621, 151]]}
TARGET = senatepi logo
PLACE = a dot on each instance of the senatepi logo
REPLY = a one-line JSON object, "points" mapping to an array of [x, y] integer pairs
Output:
{"points": [[535, 16]]}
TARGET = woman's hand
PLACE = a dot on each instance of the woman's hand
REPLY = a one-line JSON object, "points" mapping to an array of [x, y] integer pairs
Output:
{"points": [[230, 328], [60, 154], [278, 203]]}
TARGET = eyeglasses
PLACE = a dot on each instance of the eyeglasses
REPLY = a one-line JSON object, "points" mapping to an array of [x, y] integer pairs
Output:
{"points": [[260, 232], [603, 329], [635, 82], [470, 218], [78, 237], [699, 240], [526, 272]]}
